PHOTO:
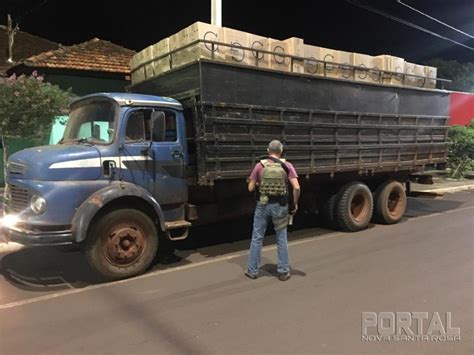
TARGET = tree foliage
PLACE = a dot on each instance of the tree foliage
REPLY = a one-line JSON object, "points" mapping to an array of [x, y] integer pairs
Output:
{"points": [[28, 105], [461, 150], [462, 74]]}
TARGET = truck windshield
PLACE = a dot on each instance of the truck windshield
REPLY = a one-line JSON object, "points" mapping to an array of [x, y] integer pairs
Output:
{"points": [[91, 122]]}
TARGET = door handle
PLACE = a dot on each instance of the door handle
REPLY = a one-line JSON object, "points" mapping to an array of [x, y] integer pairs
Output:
{"points": [[177, 154]]}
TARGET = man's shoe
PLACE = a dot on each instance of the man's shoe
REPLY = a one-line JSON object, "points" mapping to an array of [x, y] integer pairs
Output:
{"points": [[251, 276], [285, 276]]}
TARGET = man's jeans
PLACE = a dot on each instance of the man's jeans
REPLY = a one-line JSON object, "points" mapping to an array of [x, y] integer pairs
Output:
{"points": [[263, 214]]}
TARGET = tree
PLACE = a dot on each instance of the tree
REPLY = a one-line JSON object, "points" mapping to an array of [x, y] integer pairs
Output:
{"points": [[28, 105], [462, 74], [461, 150]]}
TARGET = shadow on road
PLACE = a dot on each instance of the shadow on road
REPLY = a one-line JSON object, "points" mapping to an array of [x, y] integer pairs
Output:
{"points": [[418, 207], [45, 269], [270, 270]]}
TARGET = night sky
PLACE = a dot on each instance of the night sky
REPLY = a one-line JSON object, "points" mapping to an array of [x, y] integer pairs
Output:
{"points": [[331, 23]]}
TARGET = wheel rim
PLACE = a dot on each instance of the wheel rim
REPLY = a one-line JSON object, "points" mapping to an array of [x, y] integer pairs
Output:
{"points": [[360, 208], [124, 244], [395, 205]]}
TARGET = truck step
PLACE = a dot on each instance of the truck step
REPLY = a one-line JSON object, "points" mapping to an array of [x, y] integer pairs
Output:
{"points": [[177, 224], [171, 228]]}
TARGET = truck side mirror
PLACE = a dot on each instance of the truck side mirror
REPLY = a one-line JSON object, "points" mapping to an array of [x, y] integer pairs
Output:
{"points": [[158, 126]]}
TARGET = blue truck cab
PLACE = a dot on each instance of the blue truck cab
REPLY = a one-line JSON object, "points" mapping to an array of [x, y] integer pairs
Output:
{"points": [[119, 170]]}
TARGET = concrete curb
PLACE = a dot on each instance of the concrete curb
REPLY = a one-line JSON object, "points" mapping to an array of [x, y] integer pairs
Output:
{"points": [[450, 189]]}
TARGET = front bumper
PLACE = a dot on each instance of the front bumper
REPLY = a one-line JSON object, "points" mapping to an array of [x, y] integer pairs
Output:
{"points": [[34, 237]]}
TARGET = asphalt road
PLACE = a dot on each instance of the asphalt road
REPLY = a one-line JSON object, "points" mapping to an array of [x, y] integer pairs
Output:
{"points": [[50, 302]]}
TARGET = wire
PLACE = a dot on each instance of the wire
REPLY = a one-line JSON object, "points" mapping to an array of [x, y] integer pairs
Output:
{"points": [[407, 23], [434, 19]]}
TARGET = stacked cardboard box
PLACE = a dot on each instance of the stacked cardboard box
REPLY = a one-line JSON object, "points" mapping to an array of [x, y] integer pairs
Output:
{"points": [[395, 67], [345, 60], [330, 56], [238, 47], [185, 52], [160, 57], [368, 69], [413, 73], [420, 80], [137, 70], [312, 56], [239, 41], [314, 65], [296, 48], [338, 63], [258, 44], [151, 61], [430, 73], [279, 60]]}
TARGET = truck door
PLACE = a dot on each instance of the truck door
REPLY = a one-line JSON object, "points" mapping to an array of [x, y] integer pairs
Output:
{"points": [[168, 145], [154, 157], [135, 164]]}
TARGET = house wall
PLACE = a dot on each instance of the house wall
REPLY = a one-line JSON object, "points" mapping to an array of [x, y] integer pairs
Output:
{"points": [[84, 85], [461, 108]]}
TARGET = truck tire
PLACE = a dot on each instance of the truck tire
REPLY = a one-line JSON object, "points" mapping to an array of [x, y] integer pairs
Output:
{"points": [[354, 207], [121, 244], [390, 202], [329, 211]]}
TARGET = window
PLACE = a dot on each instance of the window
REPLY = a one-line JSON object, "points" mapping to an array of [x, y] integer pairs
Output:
{"points": [[171, 134], [92, 121], [139, 126], [135, 130]]}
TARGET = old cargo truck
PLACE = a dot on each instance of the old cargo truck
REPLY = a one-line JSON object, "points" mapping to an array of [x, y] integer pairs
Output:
{"points": [[136, 169]]}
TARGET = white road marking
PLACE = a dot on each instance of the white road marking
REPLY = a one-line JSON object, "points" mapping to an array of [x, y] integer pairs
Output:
{"points": [[198, 264]]}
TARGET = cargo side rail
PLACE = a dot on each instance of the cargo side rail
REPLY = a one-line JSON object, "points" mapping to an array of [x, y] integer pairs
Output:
{"points": [[230, 138]]}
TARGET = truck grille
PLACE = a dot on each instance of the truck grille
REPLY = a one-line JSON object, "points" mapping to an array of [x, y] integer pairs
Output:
{"points": [[16, 169], [18, 199]]}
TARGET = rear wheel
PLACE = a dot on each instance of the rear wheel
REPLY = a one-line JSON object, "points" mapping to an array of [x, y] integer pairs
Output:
{"points": [[121, 244], [354, 207], [329, 211], [390, 202]]}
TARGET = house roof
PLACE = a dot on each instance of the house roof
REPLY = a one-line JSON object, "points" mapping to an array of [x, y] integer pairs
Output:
{"points": [[25, 46], [94, 55]]}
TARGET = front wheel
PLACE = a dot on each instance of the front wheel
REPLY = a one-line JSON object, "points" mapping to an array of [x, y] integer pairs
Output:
{"points": [[121, 244]]}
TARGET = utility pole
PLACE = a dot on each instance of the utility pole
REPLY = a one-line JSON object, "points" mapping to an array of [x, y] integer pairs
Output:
{"points": [[11, 31], [216, 12]]}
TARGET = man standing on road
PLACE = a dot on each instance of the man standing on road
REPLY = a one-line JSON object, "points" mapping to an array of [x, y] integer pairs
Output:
{"points": [[271, 176]]}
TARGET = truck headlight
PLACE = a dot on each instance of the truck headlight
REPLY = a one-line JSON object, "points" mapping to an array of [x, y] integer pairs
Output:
{"points": [[10, 220], [38, 204]]}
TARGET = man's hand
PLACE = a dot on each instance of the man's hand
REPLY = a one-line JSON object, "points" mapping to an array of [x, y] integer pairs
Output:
{"points": [[296, 195], [252, 185], [293, 209]]}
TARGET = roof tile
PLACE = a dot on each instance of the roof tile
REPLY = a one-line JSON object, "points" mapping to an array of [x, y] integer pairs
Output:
{"points": [[93, 55]]}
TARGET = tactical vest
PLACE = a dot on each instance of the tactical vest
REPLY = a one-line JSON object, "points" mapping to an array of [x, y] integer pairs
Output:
{"points": [[274, 180]]}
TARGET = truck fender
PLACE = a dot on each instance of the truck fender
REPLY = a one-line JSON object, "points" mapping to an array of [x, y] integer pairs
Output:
{"points": [[89, 208]]}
